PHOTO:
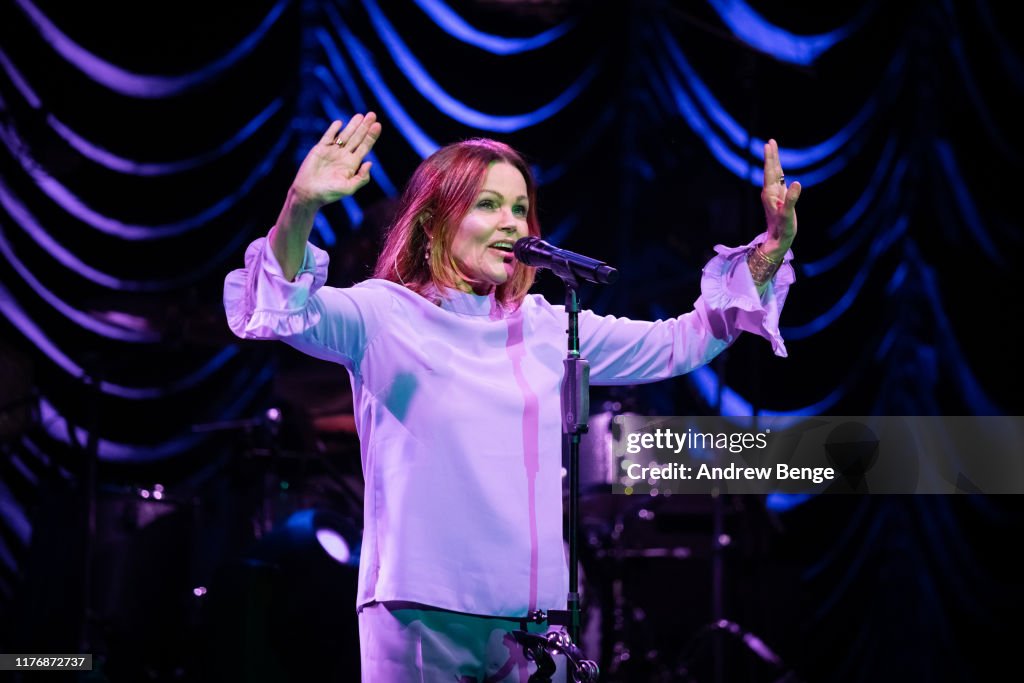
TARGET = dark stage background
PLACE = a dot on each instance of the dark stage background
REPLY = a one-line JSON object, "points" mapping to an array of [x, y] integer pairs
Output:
{"points": [[158, 475]]}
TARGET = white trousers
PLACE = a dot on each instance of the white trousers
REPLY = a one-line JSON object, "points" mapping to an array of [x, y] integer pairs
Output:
{"points": [[408, 643]]}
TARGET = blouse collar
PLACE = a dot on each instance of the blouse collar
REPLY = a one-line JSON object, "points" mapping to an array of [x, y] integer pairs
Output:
{"points": [[468, 303]]}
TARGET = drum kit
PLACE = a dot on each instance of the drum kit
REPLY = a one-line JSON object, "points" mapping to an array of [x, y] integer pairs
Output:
{"points": [[285, 506], [645, 562], [648, 565], [155, 567]]}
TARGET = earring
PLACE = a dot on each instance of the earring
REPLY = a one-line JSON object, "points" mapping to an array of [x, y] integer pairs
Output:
{"points": [[426, 254]]}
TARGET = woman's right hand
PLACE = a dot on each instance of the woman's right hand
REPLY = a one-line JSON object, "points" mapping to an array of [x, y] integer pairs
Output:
{"points": [[334, 168]]}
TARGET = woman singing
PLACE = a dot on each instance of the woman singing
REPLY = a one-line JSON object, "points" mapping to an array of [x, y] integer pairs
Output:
{"points": [[455, 373]]}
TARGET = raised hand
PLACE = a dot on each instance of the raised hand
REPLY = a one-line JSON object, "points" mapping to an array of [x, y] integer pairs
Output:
{"points": [[335, 167], [779, 204]]}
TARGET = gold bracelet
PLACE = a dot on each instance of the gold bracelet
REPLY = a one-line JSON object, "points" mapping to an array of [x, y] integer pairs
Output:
{"points": [[762, 266]]}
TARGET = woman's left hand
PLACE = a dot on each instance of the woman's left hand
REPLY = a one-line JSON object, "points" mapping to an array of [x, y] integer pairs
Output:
{"points": [[779, 204]]}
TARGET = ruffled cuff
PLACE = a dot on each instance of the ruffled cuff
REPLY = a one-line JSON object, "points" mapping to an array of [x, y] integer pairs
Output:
{"points": [[261, 304], [731, 299]]}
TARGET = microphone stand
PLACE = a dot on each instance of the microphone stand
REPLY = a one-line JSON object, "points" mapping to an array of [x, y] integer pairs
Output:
{"points": [[575, 413]]}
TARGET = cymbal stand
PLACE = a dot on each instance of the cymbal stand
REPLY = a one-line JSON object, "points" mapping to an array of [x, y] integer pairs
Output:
{"points": [[87, 634], [270, 421], [628, 626]]}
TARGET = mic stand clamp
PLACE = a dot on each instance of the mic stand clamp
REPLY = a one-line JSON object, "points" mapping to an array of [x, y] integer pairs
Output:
{"points": [[540, 648]]}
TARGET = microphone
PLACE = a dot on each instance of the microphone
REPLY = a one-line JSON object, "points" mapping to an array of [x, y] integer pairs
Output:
{"points": [[533, 251]]}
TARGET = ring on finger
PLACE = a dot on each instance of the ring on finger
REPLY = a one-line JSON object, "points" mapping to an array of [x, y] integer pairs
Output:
{"points": [[340, 143]]}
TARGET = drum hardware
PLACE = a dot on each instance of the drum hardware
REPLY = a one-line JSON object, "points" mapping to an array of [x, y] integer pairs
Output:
{"points": [[598, 473], [634, 553], [627, 657], [142, 594], [267, 424], [604, 522], [275, 470], [267, 467], [270, 419], [751, 643], [626, 536]]}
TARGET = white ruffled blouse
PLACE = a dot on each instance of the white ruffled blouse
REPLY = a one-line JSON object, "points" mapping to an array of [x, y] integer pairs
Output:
{"points": [[457, 409]]}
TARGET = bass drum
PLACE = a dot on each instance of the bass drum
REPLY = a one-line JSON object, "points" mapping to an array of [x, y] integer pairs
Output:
{"points": [[597, 472]]}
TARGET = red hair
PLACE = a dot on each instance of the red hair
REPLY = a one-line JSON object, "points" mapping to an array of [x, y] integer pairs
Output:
{"points": [[439, 195]]}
